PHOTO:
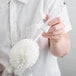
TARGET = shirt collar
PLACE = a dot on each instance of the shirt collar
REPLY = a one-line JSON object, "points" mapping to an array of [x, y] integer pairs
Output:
{"points": [[4, 2]]}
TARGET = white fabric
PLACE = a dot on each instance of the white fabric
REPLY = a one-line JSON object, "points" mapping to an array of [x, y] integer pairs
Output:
{"points": [[13, 21], [29, 18]]}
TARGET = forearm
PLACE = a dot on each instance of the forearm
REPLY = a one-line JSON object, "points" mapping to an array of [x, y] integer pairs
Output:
{"points": [[60, 47]]}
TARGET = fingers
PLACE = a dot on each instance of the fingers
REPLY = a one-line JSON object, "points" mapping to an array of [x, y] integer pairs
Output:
{"points": [[46, 35], [47, 17], [57, 28], [55, 31], [60, 32], [57, 36], [49, 34], [54, 21]]}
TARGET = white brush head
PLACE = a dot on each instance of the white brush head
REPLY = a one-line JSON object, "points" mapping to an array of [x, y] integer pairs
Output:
{"points": [[25, 52]]}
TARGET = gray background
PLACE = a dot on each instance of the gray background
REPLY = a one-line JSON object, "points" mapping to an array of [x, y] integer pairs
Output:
{"points": [[68, 63]]}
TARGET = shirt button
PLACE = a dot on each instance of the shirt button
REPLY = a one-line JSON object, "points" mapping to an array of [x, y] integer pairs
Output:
{"points": [[64, 3]]}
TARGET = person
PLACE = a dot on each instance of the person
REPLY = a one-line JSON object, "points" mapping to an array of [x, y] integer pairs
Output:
{"points": [[20, 19]]}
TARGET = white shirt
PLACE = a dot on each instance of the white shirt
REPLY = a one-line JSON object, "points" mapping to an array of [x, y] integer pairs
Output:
{"points": [[27, 17]]}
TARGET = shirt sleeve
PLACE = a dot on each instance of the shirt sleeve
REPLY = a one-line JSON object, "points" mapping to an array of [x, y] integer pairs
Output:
{"points": [[59, 9], [65, 18]]}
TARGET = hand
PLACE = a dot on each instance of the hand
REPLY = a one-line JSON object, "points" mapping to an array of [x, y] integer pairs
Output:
{"points": [[56, 30]]}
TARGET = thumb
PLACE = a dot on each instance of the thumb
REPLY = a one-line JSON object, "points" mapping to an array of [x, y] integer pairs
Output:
{"points": [[47, 17]]}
